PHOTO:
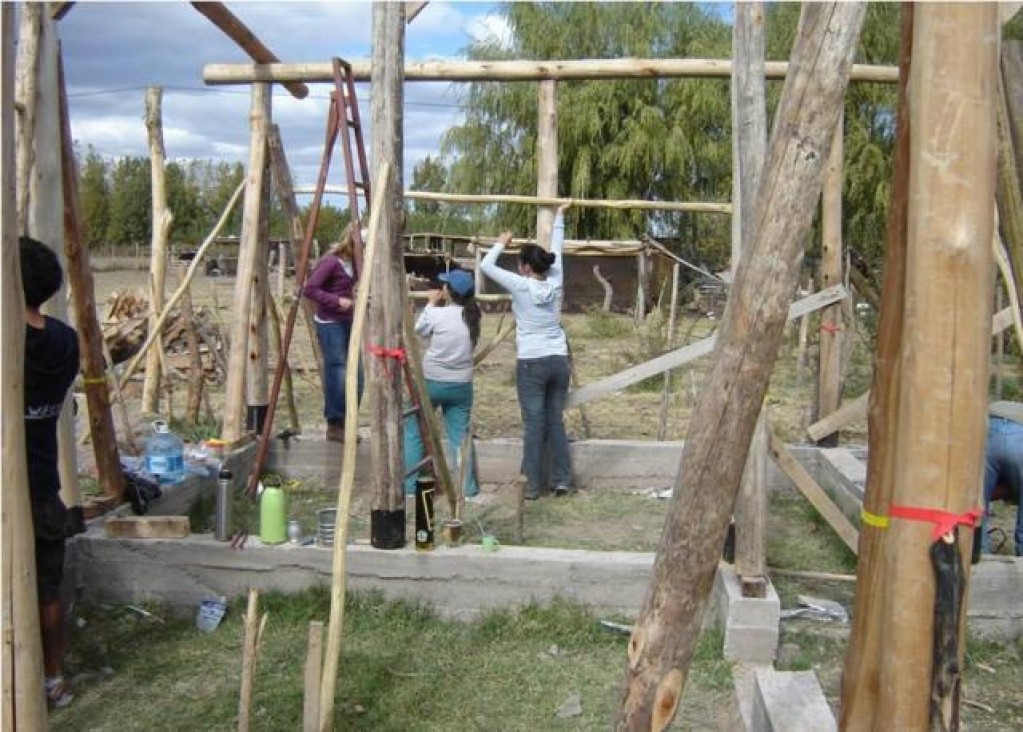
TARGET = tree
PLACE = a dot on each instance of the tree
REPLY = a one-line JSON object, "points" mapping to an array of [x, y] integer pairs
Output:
{"points": [[94, 197], [652, 139], [130, 209], [183, 202]]}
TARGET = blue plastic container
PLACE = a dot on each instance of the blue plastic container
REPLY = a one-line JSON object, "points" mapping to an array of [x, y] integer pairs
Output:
{"points": [[165, 455]]}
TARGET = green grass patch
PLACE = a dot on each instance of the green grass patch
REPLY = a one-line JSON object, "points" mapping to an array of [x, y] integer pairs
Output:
{"points": [[402, 668]]}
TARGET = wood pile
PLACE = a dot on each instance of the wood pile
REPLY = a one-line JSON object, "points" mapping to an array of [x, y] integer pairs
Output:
{"points": [[125, 323]]}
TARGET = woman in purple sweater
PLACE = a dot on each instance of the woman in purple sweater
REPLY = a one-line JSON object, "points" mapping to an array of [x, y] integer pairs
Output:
{"points": [[332, 287]]}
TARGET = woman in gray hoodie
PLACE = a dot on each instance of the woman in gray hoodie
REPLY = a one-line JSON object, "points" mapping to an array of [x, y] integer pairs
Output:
{"points": [[542, 369]]}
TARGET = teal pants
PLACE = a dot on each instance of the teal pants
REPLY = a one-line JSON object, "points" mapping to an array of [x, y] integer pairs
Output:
{"points": [[455, 401]]}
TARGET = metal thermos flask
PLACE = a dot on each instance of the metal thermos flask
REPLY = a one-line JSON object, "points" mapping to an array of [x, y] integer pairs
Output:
{"points": [[424, 514], [225, 486]]}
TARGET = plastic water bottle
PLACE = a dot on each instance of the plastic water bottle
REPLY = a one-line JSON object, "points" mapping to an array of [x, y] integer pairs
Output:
{"points": [[273, 514], [165, 455]]}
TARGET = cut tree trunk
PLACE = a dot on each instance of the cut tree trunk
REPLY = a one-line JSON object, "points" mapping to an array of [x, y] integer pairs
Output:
{"points": [[604, 282], [546, 158], [664, 639], [943, 365], [21, 669], [162, 218], [257, 384]]}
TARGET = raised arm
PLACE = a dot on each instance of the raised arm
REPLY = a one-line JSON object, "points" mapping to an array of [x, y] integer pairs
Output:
{"points": [[556, 274], [507, 280]]}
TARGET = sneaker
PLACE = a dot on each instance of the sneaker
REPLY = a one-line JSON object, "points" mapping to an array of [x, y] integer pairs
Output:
{"points": [[561, 490], [336, 432], [58, 693], [532, 495]]}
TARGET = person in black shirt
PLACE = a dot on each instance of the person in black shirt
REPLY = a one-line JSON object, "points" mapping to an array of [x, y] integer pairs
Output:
{"points": [[51, 364]]}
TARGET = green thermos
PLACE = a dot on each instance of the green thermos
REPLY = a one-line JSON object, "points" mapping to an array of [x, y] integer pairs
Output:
{"points": [[273, 515]]}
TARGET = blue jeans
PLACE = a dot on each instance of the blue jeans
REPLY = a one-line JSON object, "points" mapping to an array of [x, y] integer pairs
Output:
{"points": [[1003, 464], [334, 338], [455, 401], [542, 385]]}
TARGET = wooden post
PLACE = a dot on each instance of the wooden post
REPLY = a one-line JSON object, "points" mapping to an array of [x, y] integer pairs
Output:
{"points": [[162, 219], [29, 34], [642, 285], [257, 385], [23, 705], [83, 298], [286, 196], [282, 267], [196, 377], [546, 158], [749, 146], [313, 668], [252, 634], [248, 258], [477, 273], [289, 388], [829, 365], [1008, 194], [386, 282], [335, 625], [943, 368], [664, 637], [46, 221], [662, 422]]}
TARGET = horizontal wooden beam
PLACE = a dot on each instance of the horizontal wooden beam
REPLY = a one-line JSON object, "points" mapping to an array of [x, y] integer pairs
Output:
{"points": [[519, 70], [628, 204], [680, 356], [237, 31]]}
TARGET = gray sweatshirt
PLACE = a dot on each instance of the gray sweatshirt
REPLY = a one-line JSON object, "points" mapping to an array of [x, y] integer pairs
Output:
{"points": [[536, 303]]}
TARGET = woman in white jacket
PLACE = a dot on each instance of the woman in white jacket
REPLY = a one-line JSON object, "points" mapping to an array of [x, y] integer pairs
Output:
{"points": [[542, 369]]}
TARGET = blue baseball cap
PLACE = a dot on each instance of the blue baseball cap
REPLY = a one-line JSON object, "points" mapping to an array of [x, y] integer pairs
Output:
{"points": [[458, 281]]}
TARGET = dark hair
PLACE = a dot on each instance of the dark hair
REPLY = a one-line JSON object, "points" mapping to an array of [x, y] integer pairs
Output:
{"points": [[536, 258], [470, 313], [40, 271]]}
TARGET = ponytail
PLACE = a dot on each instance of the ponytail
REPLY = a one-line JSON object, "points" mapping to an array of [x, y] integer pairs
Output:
{"points": [[538, 259], [471, 314]]}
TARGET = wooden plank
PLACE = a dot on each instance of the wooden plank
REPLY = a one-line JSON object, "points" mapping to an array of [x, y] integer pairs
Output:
{"points": [[680, 356], [523, 70], [147, 527], [238, 32], [788, 464], [857, 408]]}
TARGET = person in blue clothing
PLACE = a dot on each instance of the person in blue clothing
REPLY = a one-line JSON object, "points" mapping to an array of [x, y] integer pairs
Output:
{"points": [[542, 369], [451, 322], [1003, 464], [51, 365]]}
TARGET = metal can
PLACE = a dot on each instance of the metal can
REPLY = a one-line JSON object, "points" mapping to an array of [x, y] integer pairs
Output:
{"points": [[294, 531]]}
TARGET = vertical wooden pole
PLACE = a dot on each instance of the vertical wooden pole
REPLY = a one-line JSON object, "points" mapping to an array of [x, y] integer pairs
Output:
{"points": [[23, 705], [386, 282], [546, 158], [162, 219], [664, 637], [248, 257], [1008, 194], [257, 387], [196, 376], [46, 222], [29, 35], [477, 273], [313, 668], [946, 339], [662, 422], [829, 366], [282, 267], [749, 147], [286, 195], [83, 298]]}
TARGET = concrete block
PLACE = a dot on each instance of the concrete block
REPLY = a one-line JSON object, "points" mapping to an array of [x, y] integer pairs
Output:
{"points": [[994, 608], [790, 701], [750, 624]]}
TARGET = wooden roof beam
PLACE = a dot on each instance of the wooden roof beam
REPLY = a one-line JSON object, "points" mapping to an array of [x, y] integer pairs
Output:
{"points": [[238, 32], [59, 10], [412, 10], [520, 70]]}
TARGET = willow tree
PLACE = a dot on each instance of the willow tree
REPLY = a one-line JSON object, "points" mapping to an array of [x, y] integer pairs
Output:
{"points": [[654, 139]]}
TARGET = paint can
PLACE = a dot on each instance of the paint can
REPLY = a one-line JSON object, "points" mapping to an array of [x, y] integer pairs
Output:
{"points": [[451, 530], [325, 520]]}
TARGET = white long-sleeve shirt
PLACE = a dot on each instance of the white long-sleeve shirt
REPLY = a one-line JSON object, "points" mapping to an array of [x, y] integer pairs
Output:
{"points": [[535, 303], [449, 355]]}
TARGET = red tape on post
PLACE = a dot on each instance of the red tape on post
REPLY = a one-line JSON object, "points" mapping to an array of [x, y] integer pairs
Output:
{"points": [[943, 521], [398, 354]]}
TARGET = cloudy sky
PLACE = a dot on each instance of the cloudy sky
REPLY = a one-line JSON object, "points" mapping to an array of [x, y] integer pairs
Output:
{"points": [[114, 50]]}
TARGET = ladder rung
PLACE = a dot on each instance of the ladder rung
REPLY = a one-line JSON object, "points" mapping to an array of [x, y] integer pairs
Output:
{"points": [[419, 466], [409, 412]]}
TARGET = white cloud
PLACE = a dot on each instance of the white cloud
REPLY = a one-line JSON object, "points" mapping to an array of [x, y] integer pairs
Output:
{"points": [[490, 27]]}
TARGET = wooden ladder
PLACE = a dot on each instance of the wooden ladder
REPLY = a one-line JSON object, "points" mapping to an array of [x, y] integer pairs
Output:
{"points": [[342, 120]]}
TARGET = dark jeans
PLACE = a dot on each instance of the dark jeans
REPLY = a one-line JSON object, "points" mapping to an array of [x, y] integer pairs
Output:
{"points": [[542, 384], [334, 338], [1003, 465]]}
